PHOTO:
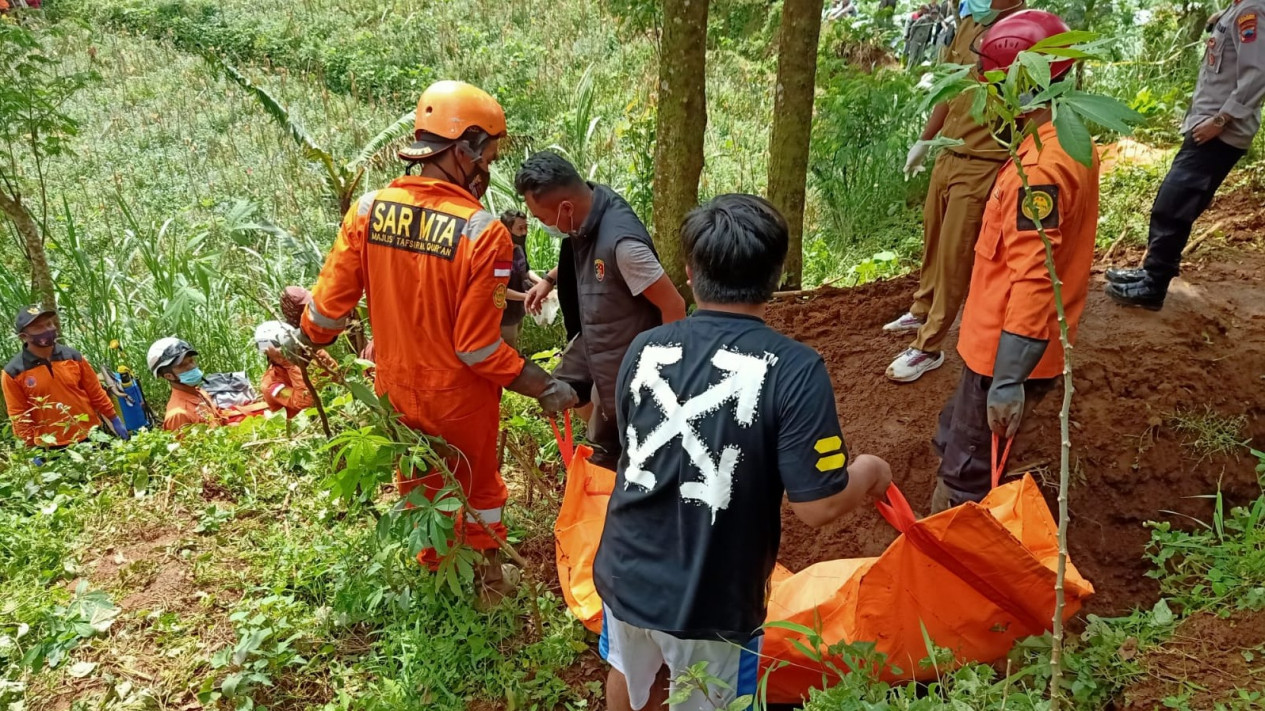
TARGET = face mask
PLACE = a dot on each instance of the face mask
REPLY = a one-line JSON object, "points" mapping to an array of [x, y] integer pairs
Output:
{"points": [[191, 377], [981, 10], [555, 230], [476, 182], [43, 339]]}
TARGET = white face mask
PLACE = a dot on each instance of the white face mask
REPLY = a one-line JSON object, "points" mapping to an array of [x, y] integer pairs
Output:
{"points": [[555, 230]]}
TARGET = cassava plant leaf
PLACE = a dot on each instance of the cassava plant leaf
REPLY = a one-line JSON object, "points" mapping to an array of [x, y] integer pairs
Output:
{"points": [[1073, 135], [1037, 66], [1103, 110]]}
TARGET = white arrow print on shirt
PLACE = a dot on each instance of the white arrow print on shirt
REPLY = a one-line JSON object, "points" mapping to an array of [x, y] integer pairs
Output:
{"points": [[742, 383]]}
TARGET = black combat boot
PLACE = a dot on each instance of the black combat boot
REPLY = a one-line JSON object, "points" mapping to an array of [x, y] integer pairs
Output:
{"points": [[1125, 275], [1148, 293]]}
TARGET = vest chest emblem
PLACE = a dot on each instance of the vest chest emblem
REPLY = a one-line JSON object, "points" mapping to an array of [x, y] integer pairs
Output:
{"points": [[599, 269]]}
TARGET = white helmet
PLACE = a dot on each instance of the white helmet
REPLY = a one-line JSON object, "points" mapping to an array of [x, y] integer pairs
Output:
{"points": [[275, 334], [167, 351]]}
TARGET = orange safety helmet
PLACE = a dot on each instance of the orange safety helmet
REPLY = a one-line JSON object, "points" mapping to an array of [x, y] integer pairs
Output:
{"points": [[1003, 42], [446, 111]]}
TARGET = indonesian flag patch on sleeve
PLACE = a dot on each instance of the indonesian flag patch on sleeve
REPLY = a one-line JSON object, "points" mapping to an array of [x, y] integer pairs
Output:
{"points": [[1247, 27], [501, 270]]}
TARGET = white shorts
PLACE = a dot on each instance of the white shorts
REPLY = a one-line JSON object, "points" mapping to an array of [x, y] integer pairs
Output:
{"points": [[639, 653]]}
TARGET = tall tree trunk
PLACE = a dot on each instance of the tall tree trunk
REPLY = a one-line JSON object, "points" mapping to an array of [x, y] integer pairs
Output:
{"points": [[33, 245], [793, 123], [679, 127]]}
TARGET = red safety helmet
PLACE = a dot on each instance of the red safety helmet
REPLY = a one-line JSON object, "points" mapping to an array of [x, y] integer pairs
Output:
{"points": [[1016, 33]]}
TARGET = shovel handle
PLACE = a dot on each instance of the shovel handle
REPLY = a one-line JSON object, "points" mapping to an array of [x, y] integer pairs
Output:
{"points": [[895, 508]]}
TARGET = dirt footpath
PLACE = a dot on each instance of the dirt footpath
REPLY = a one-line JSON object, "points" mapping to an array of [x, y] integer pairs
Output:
{"points": [[1133, 371]]}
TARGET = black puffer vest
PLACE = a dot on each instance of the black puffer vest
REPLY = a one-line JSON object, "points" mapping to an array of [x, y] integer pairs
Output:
{"points": [[593, 291]]}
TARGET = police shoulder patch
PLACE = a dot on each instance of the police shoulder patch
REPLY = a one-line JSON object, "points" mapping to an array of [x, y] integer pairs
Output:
{"points": [[1044, 207], [1247, 27]]}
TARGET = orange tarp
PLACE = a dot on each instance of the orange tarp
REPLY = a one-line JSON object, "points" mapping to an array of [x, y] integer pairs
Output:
{"points": [[976, 578]]}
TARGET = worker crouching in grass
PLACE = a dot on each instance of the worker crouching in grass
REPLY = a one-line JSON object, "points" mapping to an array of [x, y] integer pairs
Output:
{"points": [[283, 386], [51, 393], [175, 361], [1009, 339], [719, 416]]}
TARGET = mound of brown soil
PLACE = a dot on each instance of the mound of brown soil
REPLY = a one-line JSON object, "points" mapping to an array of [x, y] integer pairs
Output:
{"points": [[1207, 661], [1133, 370]]}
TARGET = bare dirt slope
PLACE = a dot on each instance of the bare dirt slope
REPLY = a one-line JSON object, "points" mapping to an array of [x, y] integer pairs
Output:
{"points": [[1133, 371]]}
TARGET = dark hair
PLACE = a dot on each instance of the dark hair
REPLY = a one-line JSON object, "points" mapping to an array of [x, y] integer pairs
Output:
{"points": [[545, 172], [736, 245], [510, 216]]}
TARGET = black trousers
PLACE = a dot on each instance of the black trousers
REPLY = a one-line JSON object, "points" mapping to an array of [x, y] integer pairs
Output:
{"points": [[1197, 172], [963, 439]]}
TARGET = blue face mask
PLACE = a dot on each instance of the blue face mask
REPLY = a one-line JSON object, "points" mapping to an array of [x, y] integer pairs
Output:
{"points": [[981, 10], [191, 377]]}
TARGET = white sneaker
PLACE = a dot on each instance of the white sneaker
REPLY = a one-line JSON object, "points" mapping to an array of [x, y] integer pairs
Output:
{"points": [[912, 363], [904, 324]]}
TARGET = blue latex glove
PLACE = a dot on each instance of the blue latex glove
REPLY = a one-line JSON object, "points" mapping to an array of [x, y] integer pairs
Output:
{"points": [[120, 429], [38, 461]]}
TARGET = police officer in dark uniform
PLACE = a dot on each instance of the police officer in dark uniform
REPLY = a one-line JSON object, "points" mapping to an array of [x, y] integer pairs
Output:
{"points": [[1224, 116]]}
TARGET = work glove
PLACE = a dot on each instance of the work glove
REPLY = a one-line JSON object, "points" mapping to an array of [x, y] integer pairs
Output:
{"points": [[1017, 357], [120, 430], [917, 156], [297, 348], [553, 395]]}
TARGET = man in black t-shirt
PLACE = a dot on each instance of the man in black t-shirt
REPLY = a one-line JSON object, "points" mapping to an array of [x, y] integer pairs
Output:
{"points": [[718, 416]]}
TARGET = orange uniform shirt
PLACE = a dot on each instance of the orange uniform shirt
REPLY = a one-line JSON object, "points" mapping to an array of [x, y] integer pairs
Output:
{"points": [[277, 379], [434, 267], [191, 408], [60, 397], [1011, 288]]}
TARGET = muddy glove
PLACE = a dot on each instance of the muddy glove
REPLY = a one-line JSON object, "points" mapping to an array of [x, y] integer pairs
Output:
{"points": [[552, 394], [120, 430], [917, 156], [1017, 357]]}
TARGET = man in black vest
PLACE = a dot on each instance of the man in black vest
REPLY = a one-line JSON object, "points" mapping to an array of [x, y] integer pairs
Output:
{"points": [[611, 285]]}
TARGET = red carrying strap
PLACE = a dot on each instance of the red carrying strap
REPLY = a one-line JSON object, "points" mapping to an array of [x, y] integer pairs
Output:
{"points": [[999, 457], [566, 445], [896, 509]]}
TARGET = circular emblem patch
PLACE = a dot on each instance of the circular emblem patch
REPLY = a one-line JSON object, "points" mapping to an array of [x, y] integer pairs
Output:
{"points": [[498, 296], [30, 381], [1043, 202], [599, 268]]}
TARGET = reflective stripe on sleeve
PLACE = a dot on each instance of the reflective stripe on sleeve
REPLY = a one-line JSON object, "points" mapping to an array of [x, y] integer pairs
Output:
{"points": [[480, 355], [477, 223], [489, 516], [323, 321]]}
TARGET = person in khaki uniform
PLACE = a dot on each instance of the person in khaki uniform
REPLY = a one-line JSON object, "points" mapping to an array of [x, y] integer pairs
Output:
{"points": [[960, 182], [1224, 117]]}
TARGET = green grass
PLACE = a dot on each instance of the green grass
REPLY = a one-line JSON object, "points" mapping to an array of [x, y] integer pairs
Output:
{"points": [[1209, 432]]}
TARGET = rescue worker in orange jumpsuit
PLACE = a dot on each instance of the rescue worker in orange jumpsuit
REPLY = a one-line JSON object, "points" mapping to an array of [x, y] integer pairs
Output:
{"points": [[435, 267], [1009, 339], [51, 393]]}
